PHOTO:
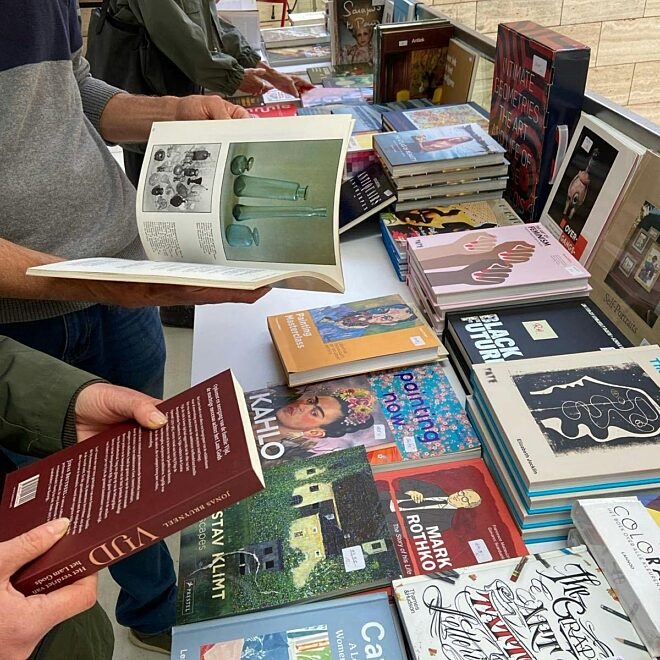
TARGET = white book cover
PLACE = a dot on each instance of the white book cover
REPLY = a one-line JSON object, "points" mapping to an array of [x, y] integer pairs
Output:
{"points": [[578, 421], [590, 183], [625, 540], [552, 606]]}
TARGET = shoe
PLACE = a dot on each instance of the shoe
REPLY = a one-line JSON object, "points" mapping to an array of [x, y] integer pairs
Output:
{"points": [[158, 642]]}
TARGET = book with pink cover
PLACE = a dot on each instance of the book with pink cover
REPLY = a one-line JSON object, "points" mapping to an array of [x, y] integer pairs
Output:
{"points": [[480, 265]]}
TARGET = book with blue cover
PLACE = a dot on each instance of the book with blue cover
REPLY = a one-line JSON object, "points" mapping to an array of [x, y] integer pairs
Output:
{"points": [[432, 150], [365, 116], [364, 624]]}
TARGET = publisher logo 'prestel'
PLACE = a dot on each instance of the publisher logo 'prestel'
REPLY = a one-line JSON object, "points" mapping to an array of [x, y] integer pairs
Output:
{"points": [[188, 596]]}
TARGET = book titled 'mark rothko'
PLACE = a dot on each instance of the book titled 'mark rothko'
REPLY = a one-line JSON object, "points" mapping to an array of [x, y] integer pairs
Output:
{"points": [[129, 487]]}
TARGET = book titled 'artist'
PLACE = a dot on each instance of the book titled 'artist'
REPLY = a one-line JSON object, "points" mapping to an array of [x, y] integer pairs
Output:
{"points": [[128, 487]]}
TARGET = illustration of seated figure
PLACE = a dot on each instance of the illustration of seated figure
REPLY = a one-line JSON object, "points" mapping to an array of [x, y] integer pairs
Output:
{"points": [[432, 506], [344, 322], [361, 27]]}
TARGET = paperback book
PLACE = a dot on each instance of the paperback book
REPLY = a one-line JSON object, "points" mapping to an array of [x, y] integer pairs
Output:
{"points": [[363, 81], [315, 532], [128, 487], [552, 605], [317, 74], [410, 60], [351, 338], [436, 149], [313, 631], [235, 205], [446, 516], [353, 25], [364, 195], [298, 35], [410, 414], [367, 118], [595, 172], [435, 117], [460, 72], [577, 421], [538, 89], [626, 263], [298, 55], [335, 96]]}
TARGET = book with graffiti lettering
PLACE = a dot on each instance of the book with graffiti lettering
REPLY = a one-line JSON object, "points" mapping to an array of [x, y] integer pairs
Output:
{"points": [[576, 422], [366, 624], [352, 338], [315, 532], [540, 607], [414, 411], [538, 89], [446, 516]]}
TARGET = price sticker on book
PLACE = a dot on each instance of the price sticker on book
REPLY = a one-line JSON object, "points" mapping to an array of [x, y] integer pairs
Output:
{"points": [[409, 443], [539, 66], [353, 558], [480, 551]]}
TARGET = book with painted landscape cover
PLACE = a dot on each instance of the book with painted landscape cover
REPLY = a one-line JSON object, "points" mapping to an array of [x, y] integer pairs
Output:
{"points": [[436, 116]]}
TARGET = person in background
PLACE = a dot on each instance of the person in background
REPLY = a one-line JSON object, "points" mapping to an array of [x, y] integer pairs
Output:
{"points": [[70, 200], [46, 405]]}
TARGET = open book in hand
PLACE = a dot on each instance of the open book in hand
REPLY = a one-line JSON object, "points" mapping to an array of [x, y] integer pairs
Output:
{"points": [[235, 204]]}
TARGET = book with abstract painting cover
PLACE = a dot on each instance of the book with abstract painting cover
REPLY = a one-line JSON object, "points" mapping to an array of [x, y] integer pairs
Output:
{"points": [[556, 604], [576, 422], [439, 115], [413, 410], [313, 631], [317, 532], [446, 516]]}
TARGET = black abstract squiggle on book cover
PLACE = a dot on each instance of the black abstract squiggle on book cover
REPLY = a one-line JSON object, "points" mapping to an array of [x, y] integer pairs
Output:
{"points": [[596, 407]]}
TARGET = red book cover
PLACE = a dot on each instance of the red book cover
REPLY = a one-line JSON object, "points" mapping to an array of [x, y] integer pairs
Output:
{"points": [[128, 487], [274, 110], [447, 516]]}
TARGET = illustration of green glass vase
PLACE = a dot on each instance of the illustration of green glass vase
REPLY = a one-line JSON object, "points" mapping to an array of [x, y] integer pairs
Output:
{"points": [[261, 187], [242, 212], [241, 164], [241, 235]]}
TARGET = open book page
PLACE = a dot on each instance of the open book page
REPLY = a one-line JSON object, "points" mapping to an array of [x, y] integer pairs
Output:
{"points": [[236, 204]]}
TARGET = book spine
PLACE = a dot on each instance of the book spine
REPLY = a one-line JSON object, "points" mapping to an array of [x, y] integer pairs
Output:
{"points": [[129, 540]]}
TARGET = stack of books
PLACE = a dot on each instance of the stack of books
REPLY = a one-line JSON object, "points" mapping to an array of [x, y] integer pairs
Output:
{"points": [[556, 429], [422, 164], [397, 228], [499, 266]]}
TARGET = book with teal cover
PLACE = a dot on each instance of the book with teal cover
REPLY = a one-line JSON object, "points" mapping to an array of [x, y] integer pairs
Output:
{"points": [[313, 631], [316, 531]]}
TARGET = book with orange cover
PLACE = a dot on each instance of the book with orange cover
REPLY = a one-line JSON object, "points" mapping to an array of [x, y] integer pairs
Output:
{"points": [[352, 338]]}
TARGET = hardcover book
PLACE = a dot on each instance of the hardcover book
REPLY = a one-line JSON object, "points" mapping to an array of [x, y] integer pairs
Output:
{"points": [[293, 55], [315, 532], [594, 173], [355, 337], [435, 149], [460, 72], [364, 195], [128, 487], [577, 421], [538, 90], [410, 60], [298, 35], [317, 74], [552, 605], [367, 118], [414, 411], [436, 116], [274, 110], [625, 540], [353, 24], [335, 96], [626, 264], [236, 206], [364, 81], [366, 624], [446, 516]]}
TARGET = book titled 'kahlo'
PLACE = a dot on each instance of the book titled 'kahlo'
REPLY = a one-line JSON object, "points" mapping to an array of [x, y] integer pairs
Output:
{"points": [[128, 487]]}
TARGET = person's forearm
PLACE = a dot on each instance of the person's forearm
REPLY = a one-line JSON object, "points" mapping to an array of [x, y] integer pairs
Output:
{"points": [[127, 118]]}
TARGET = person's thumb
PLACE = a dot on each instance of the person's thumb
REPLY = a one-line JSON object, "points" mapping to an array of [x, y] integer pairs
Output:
{"points": [[22, 549], [129, 404]]}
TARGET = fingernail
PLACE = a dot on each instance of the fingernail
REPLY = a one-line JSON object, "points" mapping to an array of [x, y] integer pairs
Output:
{"points": [[58, 526], [157, 418]]}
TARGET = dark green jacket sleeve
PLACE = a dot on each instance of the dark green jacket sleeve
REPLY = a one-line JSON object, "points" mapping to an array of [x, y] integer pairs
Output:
{"points": [[210, 51], [37, 393]]}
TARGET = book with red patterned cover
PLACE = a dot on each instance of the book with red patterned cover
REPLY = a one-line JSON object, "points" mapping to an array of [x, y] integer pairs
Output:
{"points": [[447, 516], [128, 487]]}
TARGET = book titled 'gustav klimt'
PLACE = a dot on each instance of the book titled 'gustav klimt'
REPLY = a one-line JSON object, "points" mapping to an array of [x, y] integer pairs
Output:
{"points": [[128, 487], [551, 606], [354, 337]]}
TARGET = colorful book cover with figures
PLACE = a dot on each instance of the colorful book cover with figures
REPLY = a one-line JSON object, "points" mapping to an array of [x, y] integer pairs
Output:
{"points": [[441, 115], [316, 532], [578, 420], [498, 258], [538, 89], [414, 409], [556, 604], [352, 28], [313, 631], [447, 516]]}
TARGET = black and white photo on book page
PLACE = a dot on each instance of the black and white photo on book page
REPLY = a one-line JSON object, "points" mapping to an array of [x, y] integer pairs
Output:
{"points": [[236, 204]]}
